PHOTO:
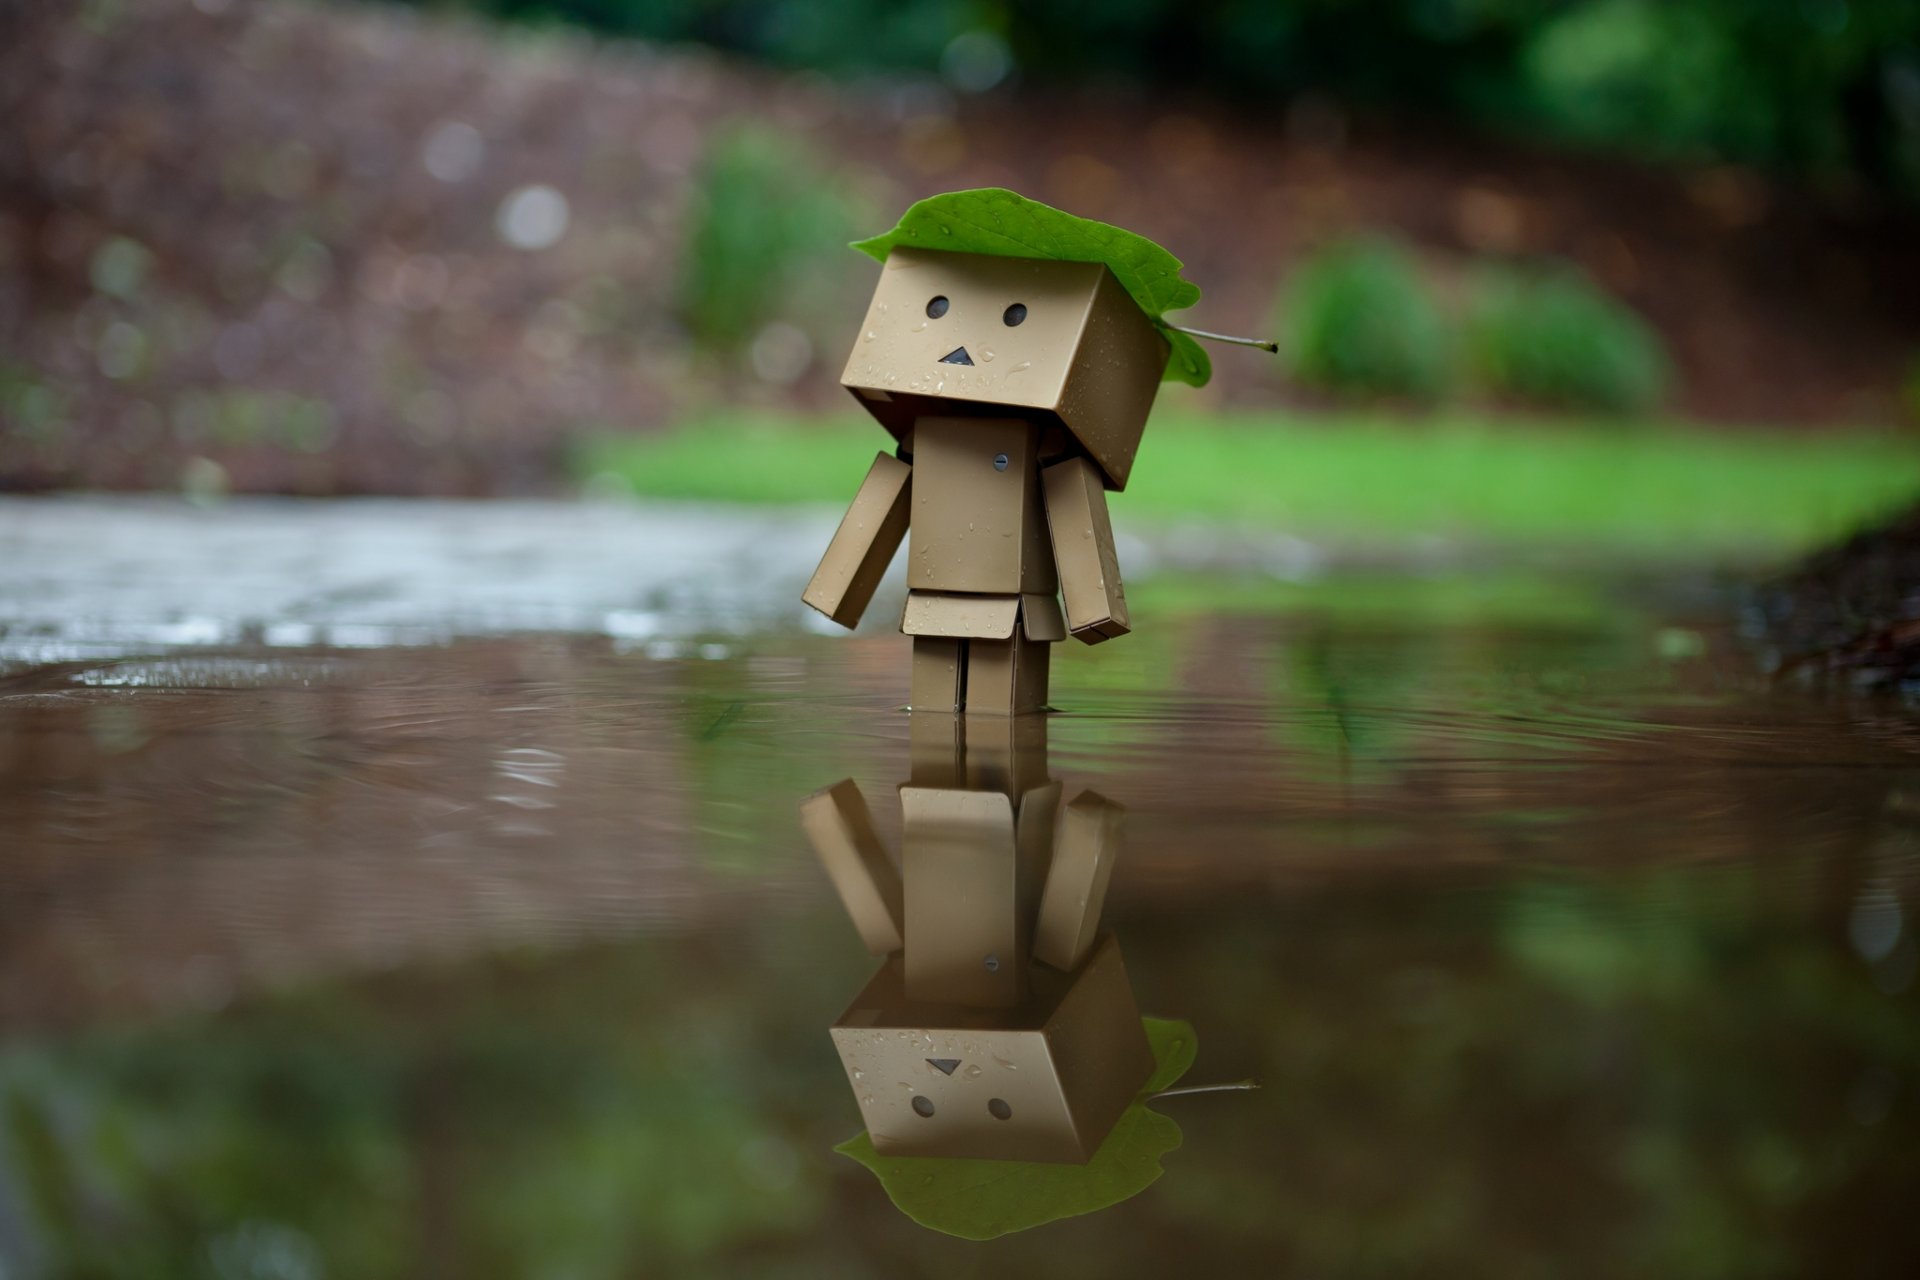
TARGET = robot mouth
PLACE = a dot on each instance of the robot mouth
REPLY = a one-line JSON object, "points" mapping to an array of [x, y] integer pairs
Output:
{"points": [[944, 1066], [957, 356]]}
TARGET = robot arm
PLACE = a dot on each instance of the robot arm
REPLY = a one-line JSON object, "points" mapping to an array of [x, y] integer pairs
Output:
{"points": [[1083, 550], [864, 544]]}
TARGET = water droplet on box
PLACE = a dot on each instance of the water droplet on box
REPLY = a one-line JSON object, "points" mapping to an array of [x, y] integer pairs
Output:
{"points": [[871, 335], [986, 355]]}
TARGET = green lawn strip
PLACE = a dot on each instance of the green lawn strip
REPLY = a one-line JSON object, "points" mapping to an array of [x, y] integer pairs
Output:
{"points": [[1456, 599], [1642, 487]]}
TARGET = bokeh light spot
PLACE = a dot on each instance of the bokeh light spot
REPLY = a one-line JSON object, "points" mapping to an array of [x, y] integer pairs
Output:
{"points": [[976, 61], [533, 217], [453, 151], [781, 353]]}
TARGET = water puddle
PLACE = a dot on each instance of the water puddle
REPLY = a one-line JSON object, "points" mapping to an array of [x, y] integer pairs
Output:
{"points": [[1555, 940]]}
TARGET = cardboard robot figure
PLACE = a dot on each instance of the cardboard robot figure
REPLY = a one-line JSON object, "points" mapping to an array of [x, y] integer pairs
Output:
{"points": [[1013, 352], [1002, 1024]]}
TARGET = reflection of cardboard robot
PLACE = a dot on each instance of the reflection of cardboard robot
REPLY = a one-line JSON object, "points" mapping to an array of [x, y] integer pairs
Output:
{"points": [[1002, 1024], [1017, 389]]}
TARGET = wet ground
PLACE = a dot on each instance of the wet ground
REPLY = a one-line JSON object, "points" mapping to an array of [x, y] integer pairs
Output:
{"points": [[487, 942]]}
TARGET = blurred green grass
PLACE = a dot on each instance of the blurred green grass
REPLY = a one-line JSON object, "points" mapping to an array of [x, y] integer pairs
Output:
{"points": [[1653, 489]]}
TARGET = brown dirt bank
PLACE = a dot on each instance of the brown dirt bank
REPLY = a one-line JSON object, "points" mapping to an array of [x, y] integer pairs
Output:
{"points": [[1849, 618], [221, 237]]}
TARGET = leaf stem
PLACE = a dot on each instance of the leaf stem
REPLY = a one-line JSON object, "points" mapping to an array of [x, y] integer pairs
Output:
{"points": [[1230, 1087], [1262, 343]]}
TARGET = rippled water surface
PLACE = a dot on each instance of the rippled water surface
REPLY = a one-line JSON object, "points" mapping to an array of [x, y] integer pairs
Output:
{"points": [[1558, 942]]}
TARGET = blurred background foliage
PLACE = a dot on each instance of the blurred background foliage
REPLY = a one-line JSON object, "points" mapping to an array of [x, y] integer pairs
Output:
{"points": [[251, 245], [1358, 317], [1362, 317], [762, 225], [1551, 337], [1816, 88]]}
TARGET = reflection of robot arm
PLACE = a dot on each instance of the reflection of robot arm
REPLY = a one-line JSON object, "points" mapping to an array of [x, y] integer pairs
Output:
{"points": [[840, 828], [864, 544], [1086, 842], [1084, 848], [1083, 550]]}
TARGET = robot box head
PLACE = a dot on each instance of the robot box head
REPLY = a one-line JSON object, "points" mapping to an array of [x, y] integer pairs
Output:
{"points": [[1044, 1082], [1057, 342]]}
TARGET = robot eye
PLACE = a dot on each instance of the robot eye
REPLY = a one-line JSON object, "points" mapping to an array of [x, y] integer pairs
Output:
{"points": [[937, 306], [1014, 314], [922, 1106], [1000, 1109]]}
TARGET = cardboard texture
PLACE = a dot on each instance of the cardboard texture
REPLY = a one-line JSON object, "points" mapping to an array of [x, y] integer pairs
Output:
{"points": [[1114, 381], [1032, 666], [937, 673], [959, 1014], [864, 544], [977, 521], [1099, 1049], [1065, 1063], [939, 613], [1084, 850], [1035, 818], [1085, 358], [1006, 677], [1005, 754], [937, 749], [963, 914], [982, 677], [1041, 619], [840, 828], [1017, 390], [1083, 549]]}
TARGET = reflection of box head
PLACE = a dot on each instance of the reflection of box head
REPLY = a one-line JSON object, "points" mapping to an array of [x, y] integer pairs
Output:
{"points": [[1083, 355], [1043, 1081]]}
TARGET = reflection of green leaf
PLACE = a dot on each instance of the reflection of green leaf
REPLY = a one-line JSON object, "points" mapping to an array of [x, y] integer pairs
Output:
{"points": [[996, 221], [981, 1199], [1174, 1049]]}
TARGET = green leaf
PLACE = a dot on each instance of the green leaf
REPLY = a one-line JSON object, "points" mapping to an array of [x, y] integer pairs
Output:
{"points": [[1006, 224], [1188, 363], [982, 1199]]}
